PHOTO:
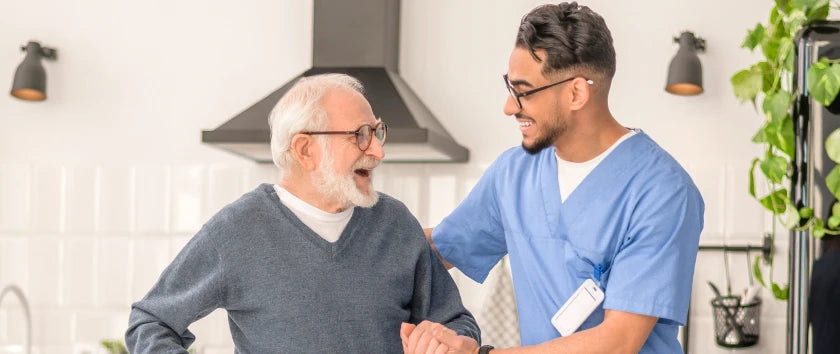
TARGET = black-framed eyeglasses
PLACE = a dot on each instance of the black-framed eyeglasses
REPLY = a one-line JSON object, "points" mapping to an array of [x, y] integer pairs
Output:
{"points": [[364, 135], [517, 95]]}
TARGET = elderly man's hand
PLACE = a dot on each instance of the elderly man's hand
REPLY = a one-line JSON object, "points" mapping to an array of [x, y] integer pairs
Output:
{"points": [[433, 338]]}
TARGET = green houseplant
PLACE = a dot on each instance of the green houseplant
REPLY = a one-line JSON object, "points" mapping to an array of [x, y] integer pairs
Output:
{"points": [[770, 81]]}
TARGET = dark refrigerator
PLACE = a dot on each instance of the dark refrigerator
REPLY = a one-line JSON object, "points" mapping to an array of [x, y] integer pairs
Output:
{"points": [[812, 123]]}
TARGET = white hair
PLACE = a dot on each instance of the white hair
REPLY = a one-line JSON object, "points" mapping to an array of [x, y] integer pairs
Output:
{"points": [[301, 109]]}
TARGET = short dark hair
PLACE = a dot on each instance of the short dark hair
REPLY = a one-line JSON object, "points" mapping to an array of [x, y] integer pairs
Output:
{"points": [[573, 37]]}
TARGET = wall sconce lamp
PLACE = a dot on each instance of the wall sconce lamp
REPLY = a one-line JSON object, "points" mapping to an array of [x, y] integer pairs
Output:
{"points": [[30, 83], [685, 75]]}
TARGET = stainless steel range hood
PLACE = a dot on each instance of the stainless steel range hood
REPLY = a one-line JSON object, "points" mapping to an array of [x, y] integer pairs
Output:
{"points": [[358, 38]]}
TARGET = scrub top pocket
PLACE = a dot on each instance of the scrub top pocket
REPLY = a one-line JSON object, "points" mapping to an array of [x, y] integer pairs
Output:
{"points": [[587, 264]]}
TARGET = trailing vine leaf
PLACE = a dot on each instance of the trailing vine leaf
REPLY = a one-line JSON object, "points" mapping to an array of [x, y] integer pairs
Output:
{"points": [[780, 293], [796, 19], [788, 137], [775, 201], [759, 136], [754, 37], [747, 84], [776, 27], [776, 105], [815, 9], [770, 47], [757, 270], [817, 229], [770, 81], [832, 181], [820, 12], [832, 146], [785, 49], [774, 167], [782, 5], [788, 64], [806, 5], [752, 177], [833, 222], [791, 219], [824, 81], [806, 212], [768, 75], [780, 135]]}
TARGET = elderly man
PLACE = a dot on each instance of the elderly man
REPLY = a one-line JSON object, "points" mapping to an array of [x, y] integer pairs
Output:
{"points": [[320, 263]]}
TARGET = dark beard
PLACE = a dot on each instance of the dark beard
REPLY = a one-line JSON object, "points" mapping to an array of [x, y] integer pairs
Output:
{"points": [[537, 146], [546, 141]]}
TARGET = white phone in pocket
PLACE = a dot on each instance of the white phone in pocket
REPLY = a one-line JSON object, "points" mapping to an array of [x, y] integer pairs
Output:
{"points": [[578, 308]]}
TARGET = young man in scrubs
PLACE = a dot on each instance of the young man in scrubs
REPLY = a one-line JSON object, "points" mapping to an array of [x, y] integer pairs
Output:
{"points": [[582, 198]]}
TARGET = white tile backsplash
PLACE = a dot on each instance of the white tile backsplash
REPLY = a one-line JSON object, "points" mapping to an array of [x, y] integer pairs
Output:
{"points": [[258, 174], [406, 184], [94, 326], [114, 200], [188, 194], [213, 330], [79, 266], [11, 319], [224, 185], [80, 201], [442, 197], [151, 195], [745, 215], [107, 233], [45, 276], [14, 198], [52, 327], [47, 199], [711, 182], [113, 270], [150, 257], [60, 349], [13, 262]]}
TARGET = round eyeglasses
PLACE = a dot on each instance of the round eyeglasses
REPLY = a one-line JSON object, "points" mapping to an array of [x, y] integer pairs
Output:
{"points": [[364, 135], [517, 95]]}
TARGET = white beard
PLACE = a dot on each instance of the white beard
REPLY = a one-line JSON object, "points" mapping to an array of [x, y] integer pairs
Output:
{"points": [[342, 188]]}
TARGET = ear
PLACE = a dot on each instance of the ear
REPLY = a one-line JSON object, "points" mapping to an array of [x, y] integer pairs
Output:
{"points": [[581, 92], [306, 151]]}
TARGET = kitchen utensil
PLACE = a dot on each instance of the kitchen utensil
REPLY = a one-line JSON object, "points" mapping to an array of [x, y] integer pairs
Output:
{"points": [[732, 334], [751, 295]]}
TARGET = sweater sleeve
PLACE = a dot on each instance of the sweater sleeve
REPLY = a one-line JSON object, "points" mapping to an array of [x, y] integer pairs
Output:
{"points": [[189, 289], [436, 298]]}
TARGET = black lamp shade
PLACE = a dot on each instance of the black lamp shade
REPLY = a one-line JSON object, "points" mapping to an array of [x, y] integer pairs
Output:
{"points": [[30, 82], [685, 74]]}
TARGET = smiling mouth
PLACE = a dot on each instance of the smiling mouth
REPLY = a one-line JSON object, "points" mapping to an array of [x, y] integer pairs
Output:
{"points": [[362, 172], [525, 124]]}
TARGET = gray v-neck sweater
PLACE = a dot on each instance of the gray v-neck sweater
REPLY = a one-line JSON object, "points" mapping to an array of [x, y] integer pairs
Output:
{"points": [[287, 290]]}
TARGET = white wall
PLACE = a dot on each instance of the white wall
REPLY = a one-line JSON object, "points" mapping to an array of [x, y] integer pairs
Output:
{"points": [[102, 184]]}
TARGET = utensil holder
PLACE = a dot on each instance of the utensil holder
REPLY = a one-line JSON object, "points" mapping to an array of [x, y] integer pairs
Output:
{"points": [[742, 329]]}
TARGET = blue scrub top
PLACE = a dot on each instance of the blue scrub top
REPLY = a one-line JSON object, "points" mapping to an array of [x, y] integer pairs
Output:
{"points": [[637, 217]]}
